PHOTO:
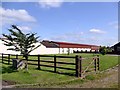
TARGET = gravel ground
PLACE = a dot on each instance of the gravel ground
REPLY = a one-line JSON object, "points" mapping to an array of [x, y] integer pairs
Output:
{"points": [[107, 81]]}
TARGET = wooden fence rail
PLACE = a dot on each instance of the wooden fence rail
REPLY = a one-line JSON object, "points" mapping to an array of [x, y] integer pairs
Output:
{"points": [[77, 64]]}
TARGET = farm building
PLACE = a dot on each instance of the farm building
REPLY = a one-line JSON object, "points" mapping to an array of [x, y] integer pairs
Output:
{"points": [[52, 47], [116, 48]]}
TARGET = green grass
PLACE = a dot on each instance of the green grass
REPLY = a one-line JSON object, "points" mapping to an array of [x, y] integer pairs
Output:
{"points": [[90, 77], [108, 62], [35, 76], [45, 78], [0, 71]]}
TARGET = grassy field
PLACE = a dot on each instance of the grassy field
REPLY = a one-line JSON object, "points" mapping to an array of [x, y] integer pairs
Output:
{"points": [[46, 78]]}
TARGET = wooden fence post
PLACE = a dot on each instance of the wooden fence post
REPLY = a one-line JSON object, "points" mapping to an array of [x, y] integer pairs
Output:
{"points": [[26, 66], [77, 65], [2, 57], [16, 56], [98, 62], [55, 63], [8, 58], [39, 62], [80, 60], [95, 63]]}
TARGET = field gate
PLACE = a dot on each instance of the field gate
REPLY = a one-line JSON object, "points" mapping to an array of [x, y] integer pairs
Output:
{"points": [[80, 72]]}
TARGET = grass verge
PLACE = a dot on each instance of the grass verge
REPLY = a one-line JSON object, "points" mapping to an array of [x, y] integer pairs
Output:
{"points": [[44, 78]]}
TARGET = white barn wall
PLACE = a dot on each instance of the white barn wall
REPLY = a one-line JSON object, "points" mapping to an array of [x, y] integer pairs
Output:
{"points": [[3, 49], [73, 49], [63, 50], [43, 50]]}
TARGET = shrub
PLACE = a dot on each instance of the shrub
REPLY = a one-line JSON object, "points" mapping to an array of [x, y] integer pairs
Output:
{"points": [[103, 50]]}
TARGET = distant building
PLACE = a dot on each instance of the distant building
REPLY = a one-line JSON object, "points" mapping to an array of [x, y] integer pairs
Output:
{"points": [[116, 48], [53, 47]]}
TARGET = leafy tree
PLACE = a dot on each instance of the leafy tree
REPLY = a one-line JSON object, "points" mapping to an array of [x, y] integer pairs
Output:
{"points": [[103, 50], [109, 49], [18, 41]]}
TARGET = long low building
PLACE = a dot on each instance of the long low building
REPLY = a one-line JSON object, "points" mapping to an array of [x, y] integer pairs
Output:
{"points": [[65, 47], [53, 47]]}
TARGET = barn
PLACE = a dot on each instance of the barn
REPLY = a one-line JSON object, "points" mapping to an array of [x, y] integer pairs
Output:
{"points": [[53, 47], [116, 48]]}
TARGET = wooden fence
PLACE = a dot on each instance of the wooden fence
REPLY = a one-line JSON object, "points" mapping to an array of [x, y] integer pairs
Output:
{"points": [[78, 62]]}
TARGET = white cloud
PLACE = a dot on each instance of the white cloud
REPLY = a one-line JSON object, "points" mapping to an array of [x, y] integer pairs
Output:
{"points": [[97, 40], [97, 31], [50, 3], [10, 16], [25, 28], [85, 38], [116, 27], [71, 36], [114, 24]]}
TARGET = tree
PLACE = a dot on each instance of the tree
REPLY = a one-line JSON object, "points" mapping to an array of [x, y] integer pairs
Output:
{"points": [[103, 50], [19, 41], [109, 49]]}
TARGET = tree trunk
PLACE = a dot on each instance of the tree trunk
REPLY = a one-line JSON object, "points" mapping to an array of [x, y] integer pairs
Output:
{"points": [[26, 63]]}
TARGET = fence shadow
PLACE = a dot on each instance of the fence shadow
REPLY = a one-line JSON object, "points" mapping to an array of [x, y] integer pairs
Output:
{"points": [[77, 63], [8, 69], [4, 63], [58, 72]]}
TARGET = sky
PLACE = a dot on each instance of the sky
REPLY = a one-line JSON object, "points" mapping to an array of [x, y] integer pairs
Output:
{"points": [[77, 22]]}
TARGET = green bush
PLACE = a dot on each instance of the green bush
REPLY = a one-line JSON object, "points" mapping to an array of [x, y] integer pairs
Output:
{"points": [[103, 50]]}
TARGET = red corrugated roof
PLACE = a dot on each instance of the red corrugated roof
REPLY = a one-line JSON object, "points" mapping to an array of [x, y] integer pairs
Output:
{"points": [[49, 44], [75, 45]]}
